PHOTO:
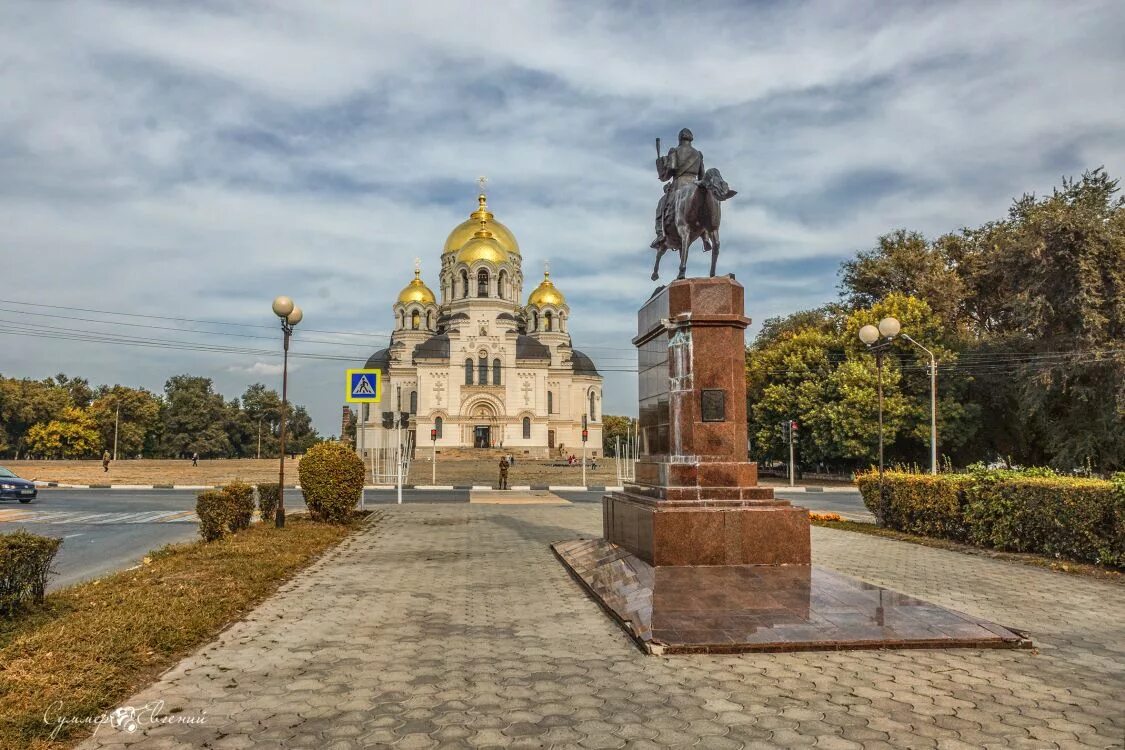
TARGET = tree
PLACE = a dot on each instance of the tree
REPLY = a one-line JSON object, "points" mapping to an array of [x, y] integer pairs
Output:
{"points": [[73, 435], [138, 423], [194, 419], [1034, 305], [262, 407], [26, 402], [613, 429], [299, 432], [904, 263]]}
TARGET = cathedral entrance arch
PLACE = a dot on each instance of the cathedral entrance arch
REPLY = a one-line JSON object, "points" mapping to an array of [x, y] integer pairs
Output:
{"points": [[483, 419]]}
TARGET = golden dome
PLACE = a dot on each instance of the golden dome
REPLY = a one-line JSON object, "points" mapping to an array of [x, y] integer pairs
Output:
{"points": [[546, 293], [482, 246], [416, 291], [465, 231]]}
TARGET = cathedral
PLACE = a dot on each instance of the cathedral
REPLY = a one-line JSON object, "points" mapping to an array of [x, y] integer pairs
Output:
{"points": [[480, 368]]}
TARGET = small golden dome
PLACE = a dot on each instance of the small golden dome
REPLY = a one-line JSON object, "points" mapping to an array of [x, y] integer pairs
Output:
{"points": [[416, 291], [465, 231], [546, 293]]}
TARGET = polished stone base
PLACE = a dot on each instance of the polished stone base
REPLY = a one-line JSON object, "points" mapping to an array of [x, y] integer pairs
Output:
{"points": [[736, 608], [707, 532]]}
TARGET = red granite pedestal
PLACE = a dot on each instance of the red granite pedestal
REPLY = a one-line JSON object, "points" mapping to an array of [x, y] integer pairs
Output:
{"points": [[696, 500], [696, 557]]}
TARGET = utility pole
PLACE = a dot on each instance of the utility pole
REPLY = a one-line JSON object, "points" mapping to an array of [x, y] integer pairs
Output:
{"points": [[792, 453], [933, 403], [116, 422], [259, 437]]}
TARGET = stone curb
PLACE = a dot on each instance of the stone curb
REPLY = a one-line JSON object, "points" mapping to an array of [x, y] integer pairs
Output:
{"points": [[801, 488], [376, 487]]}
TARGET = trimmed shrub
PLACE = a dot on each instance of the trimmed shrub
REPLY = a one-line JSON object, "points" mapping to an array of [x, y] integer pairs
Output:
{"points": [[917, 503], [1021, 511], [215, 512], [25, 565], [1059, 516], [268, 495], [331, 477], [242, 504]]}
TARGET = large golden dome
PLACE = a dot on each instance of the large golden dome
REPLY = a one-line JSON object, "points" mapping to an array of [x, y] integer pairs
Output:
{"points": [[546, 293], [416, 291], [465, 231]]}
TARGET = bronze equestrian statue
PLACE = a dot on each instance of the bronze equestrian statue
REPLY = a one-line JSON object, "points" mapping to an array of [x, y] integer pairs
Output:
{"points": [[689, 208]]}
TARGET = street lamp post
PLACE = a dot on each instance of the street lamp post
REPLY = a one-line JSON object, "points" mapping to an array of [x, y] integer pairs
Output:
{"points": [[290, 315], [878, 339]]}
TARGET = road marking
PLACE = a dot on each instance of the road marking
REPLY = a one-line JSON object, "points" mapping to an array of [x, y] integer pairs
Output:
{"points": [[101, 519]]}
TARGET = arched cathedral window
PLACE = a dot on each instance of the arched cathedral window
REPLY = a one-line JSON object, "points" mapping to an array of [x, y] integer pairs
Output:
{"points": [[464, 283], [414, 402], [550, 402], [593, 411], [415, 320], [502, 285], [496, 372], [547, 321], [437, 426], [482, 283], [527, 428], [482, 375], [468, 372]]}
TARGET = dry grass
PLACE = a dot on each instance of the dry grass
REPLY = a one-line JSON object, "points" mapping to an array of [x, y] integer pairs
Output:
{"points": [[1024, 558], [156, 471], [93, 645]]}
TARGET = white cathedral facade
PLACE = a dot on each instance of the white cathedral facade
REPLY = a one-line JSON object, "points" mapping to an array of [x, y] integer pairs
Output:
{"points": [[480, 367]]}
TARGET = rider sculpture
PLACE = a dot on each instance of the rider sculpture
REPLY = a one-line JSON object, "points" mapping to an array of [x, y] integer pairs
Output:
{"points": [[689, 208]]}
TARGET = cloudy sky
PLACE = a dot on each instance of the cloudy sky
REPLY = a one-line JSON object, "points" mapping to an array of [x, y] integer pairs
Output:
{"points": [[192, 160]]}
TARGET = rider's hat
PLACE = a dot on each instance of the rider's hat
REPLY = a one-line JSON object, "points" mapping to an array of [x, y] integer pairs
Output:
{"points": [[685, 135]]}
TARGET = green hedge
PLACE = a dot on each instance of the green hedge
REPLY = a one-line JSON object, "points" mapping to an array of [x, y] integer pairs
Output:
{"points": [[25, 565], [332, 481], [1079, 519]]}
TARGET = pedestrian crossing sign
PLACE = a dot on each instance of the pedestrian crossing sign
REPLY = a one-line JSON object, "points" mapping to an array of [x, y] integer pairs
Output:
{"points": [[365, 386]]}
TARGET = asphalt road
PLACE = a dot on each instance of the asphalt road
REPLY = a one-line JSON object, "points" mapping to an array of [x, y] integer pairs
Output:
{"points": [[109, 530]]}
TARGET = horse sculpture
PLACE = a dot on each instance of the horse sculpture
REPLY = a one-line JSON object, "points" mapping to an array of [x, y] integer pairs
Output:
{"points": [[693, 213]]}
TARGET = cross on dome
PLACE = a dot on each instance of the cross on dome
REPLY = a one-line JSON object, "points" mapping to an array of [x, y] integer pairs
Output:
{"points": [[482, 181]]}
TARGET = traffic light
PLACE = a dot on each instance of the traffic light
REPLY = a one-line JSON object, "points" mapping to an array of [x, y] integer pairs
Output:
{"points": [[404, 418], [433, 435], [388, 420], [583, 422], [785, 427], [585, 435], [793, 429]]}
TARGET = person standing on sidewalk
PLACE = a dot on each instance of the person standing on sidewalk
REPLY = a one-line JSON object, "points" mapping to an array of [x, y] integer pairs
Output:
{"points": [[503, 472], [195, 459], [105, 460]]}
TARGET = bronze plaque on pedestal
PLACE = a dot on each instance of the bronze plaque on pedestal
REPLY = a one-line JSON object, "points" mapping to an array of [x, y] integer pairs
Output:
{"points": [[713, 405]]}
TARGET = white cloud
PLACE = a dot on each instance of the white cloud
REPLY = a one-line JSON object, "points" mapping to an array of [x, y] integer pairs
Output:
{"points": [[194, 160]]}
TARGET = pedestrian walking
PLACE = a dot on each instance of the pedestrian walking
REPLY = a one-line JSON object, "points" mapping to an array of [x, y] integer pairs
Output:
{"points": [[504, 472], [195, 459], [105, 461]]}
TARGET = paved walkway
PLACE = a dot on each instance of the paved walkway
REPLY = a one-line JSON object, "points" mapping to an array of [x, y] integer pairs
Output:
{"points": [[454, 626]]}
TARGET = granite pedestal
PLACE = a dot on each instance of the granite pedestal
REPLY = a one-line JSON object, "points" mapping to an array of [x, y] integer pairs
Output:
{"points": [[697, 557]]}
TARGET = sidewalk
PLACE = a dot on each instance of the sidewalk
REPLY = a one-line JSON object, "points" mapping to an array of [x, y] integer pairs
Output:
{"points": [[454, 626]]}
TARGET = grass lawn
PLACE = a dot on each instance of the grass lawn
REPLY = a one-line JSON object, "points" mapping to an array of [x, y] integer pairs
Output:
{"points": [[1025, 558], [93, 645]]}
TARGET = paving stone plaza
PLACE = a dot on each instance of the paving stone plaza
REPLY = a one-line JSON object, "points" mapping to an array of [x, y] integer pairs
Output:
{"points": [[455, 626]]}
